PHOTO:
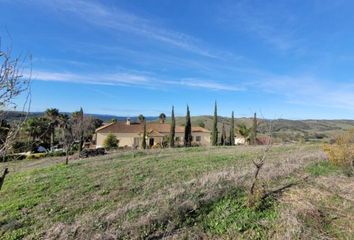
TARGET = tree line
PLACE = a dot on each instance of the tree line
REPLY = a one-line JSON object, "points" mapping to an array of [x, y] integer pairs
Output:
{"points": [[250, 134]]}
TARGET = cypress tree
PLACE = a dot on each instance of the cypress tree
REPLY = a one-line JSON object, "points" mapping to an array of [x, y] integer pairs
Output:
{"points": [[215, 127], [173, 128], [188, 130], [232, 130], [81, 123], [143, 145], [254, 130], [223, 135]]}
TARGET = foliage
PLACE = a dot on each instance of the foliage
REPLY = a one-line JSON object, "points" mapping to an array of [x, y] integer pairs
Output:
{"points": [[223, 135], [141, 118], [143, 143], [52, 115], [165, 141], [162, 117], [110, 142], [323, 168], [173, 128], [244, 131], [341, 153], [201, 124], [214, 133], [13, 83], [232, 130], [188, 130], [22, 146], [232, 215], [253, 134], [37, 128], [36, 156], [4, 130], [78, 120]]}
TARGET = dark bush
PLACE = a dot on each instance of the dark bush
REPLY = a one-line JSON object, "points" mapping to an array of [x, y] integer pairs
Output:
{"points": [[92, 152]]}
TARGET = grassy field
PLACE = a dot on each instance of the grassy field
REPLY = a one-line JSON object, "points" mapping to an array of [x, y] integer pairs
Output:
{"points": [[194, 193]]}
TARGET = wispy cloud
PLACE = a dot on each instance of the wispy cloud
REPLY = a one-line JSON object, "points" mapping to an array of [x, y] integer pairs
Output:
{"points": [[199, 83], [132, 80], [120, 79], [309, 90]]}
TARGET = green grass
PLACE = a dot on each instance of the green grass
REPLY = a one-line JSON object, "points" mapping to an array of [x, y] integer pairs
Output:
{"points": [[231, 215], [323, 168], [141, 194]]}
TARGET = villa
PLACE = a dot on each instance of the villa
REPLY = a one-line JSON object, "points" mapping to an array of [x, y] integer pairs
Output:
{"points": [[130, 134]]}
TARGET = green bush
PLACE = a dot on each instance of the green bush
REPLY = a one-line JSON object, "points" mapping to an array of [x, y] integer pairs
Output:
{"points": [[57, 154], [19, 146], [111, 142], [12, 157], [36, 156]]}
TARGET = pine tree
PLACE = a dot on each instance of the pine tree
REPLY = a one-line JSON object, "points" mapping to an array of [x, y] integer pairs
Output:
{"points": [[143, 145], [232, 130], [215, 127], [254, 130], [173, 128], [223, 135], [188, 130]]}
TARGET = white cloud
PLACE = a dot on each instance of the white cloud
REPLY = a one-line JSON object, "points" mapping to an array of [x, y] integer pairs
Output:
{"points": [[122, 79], [199, 83], [132, 79]]}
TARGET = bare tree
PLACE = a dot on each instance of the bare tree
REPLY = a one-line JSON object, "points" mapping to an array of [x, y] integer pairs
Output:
{"points": [[13, 83], [256, 193], [76, 130]]}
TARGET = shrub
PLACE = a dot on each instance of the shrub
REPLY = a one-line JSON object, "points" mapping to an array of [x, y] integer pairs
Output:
{"points": [[341, 153], [56, 154], [36, 156], [12, 157], [19, 146], [111, 142]]}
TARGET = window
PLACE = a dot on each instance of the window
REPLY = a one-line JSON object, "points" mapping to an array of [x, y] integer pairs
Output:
{"points": [[177, 139], [198, 138]]}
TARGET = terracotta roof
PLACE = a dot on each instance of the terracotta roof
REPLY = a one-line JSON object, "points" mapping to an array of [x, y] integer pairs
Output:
{"points": [[199, 129], [122, 127]]}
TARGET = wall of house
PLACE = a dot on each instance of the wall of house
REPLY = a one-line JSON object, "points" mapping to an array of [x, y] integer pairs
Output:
{"points": [[204, 138], [125, 139]]}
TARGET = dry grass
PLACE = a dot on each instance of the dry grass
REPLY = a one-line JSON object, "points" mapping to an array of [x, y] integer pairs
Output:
{"points": [[134, 195]]}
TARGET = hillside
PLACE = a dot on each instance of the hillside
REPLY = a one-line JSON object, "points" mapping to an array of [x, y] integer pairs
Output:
{"points": [[284, 130], [181, 193]]}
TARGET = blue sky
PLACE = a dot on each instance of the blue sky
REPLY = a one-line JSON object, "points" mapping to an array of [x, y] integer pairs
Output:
{"points": [[284, 59]]}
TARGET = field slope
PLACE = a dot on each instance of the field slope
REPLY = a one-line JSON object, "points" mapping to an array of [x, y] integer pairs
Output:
{"points": [[177, 193]]}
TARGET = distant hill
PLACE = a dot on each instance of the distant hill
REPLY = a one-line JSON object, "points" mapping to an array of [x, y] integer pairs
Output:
{"points": [[11, 116], [282, 129]]}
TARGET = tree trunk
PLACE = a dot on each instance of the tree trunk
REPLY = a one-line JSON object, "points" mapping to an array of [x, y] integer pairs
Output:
{"points": [[2, 178], [67, 156], [52, 139]]}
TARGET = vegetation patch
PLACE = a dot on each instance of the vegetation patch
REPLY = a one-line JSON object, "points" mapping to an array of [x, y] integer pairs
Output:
{"points": [[323, 168], [231, 215]]}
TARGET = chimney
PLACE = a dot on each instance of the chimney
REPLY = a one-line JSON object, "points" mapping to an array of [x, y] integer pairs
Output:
{"points": [[128, 121]]}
